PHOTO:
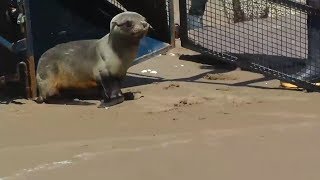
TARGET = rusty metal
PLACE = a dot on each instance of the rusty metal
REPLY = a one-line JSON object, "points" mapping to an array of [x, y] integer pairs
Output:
{"points": [[170, 5], [31, 89]]}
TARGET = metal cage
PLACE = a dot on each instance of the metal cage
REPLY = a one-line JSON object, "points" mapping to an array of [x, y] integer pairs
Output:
{"points": [[278, 38]]}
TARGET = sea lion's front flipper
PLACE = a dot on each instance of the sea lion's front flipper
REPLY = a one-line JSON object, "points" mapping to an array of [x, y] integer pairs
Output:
{"points": [[111, 102], [111, 92]]}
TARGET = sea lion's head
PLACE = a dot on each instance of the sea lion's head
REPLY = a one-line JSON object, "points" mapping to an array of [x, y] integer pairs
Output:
{"points": [[130, 24]]}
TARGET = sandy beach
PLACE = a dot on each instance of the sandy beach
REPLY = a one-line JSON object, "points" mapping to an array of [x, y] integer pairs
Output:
{"points": [[196, 120]]}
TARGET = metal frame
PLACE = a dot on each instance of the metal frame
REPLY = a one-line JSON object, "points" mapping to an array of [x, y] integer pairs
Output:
{"points": [[32, 91], [234, 59]]}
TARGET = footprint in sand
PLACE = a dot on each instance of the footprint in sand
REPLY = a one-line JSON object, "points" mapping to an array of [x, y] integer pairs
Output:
{"points": [[221, 77], [171, 86]]}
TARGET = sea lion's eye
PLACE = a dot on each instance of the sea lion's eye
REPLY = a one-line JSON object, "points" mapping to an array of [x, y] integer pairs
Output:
{"points": [[128, 24]]}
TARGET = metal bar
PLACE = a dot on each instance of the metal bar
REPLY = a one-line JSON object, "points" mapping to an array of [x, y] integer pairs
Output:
{"points": [[6, 43], [29, 35], [183, 22], [171, 23], [32, 93], [32, 89]]}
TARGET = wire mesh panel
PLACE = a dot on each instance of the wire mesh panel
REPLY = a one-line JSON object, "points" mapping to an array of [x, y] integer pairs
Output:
{"points": [[279, 38]]}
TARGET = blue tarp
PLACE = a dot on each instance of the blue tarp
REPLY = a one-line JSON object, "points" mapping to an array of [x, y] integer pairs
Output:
{"points": [[149, 45]]}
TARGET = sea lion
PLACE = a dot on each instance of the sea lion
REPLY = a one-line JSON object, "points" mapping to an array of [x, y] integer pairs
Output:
{"points": [[87, 64]]}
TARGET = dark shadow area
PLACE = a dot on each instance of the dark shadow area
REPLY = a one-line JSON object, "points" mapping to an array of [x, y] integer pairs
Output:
{"points": [[69, 102], [287, 65], [221, 66], [98, 12], [132, 80], [81, 97], [10, 31], [11, 92], [280, 63], [244, 83], [209, 62], [75, 97]]}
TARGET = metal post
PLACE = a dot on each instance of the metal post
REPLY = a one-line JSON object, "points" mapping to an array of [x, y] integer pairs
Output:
{"points": [[32, 93], [314, 35]]}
